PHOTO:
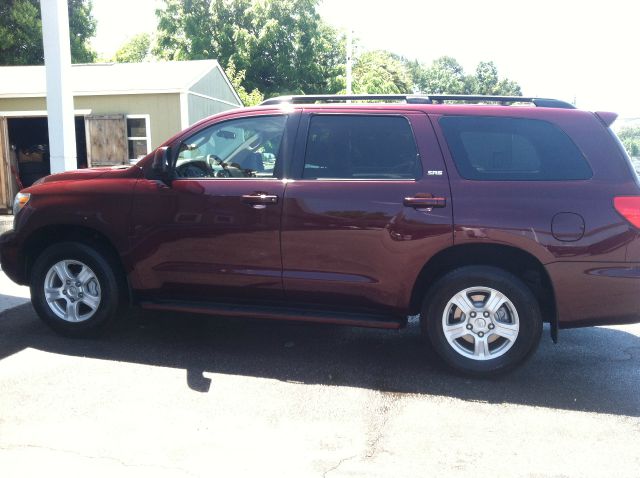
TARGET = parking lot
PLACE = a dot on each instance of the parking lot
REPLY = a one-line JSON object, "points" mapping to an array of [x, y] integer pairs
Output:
{"points": [[186, 396]]}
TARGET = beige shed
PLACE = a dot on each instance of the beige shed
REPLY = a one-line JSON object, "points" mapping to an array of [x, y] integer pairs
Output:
{"points": [[123, 111]]}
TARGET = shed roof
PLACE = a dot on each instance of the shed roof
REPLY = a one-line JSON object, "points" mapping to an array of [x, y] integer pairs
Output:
{"points": [[109, 78]]}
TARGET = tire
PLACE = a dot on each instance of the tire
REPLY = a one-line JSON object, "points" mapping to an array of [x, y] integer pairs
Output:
{"points": [[84, 297], [494, 329]]}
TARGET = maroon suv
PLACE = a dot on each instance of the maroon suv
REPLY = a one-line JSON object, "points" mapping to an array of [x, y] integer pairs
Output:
{"points": [[485, 219]]}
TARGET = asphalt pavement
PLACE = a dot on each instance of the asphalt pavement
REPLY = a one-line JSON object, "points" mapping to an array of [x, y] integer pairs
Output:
{"points": [[172, 395]]}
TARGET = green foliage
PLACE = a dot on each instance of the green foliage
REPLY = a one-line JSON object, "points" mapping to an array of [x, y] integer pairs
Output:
{"points": [[630, 138], [380, 72], [385, 73], [82, 27], [487, 82], [184, 30], [446, 76], [21, 32], [236, 77], [137, 49], [283, 46]]}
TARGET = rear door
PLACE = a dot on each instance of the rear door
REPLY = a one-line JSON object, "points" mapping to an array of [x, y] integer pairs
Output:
{"points": [[369, 205]]}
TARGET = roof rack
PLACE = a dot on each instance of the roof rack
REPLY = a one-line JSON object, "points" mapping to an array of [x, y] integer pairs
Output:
{"points": [[539, 102], [418, 99]]}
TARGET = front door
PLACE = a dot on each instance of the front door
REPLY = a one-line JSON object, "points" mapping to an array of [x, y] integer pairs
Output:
{"points": [[213, 233]]}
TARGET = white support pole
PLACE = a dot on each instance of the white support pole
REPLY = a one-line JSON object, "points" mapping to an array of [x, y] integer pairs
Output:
{"points": [[57, 60]]}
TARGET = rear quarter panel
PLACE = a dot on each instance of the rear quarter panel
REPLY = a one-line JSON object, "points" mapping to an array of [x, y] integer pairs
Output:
{"points": [[520, 213]]}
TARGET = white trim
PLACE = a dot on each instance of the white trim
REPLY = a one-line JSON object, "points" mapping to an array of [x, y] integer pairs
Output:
{"points": [[147, 119], [43, 94], [40, 113], [213, 99], [96, 93], [184, 111]]}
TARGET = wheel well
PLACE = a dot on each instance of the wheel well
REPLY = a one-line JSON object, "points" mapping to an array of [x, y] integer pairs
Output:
{"points": [[42, 238], [518, 262]]}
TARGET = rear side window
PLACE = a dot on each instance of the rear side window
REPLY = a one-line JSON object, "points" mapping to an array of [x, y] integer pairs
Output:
{"points": [[512, 149], [361, 147]]}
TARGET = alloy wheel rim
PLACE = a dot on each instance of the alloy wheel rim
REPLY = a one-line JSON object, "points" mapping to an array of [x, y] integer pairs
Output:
{"points": [[72, 291], [480, 323]]}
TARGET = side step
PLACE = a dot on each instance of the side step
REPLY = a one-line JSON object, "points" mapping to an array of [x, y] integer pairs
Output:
{"points": [[279, 313]]}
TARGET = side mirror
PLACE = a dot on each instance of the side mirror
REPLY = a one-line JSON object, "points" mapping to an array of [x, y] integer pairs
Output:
{"points": [[160, 163]]}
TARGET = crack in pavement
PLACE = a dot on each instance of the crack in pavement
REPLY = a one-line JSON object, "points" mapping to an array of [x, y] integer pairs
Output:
{"points": [[97, 457], [377, 429], [335, 467]]}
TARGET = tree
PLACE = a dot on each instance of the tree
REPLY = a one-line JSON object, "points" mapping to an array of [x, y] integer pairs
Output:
{"points": [[283, 46], [632, 147], [380, 72], [185, 30], [21, 32], [137, 49], [630, 138], [487, 82], [446, 76], [82, 27], [236, 77]]}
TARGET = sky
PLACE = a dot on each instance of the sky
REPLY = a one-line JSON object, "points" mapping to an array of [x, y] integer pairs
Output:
{"points": [[583, 51]]}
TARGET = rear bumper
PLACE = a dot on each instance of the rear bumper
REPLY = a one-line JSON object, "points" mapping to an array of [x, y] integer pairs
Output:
{"points": [[10, 257], [596, 293]]}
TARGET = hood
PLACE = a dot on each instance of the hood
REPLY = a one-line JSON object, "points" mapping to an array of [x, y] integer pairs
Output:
{"points": [[90, 173]]}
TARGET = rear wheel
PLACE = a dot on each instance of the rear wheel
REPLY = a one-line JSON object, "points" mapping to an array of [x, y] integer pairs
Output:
{"points": [[481, 320], [74, 289]]}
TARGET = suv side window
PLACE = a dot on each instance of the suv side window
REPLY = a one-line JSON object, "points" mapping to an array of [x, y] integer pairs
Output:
{"points": [[361, 147], [240, 149], [512, 149]]}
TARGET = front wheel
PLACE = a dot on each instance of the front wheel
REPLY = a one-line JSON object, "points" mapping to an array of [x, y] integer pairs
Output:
{"points": [[74, 289], [481, 320]]}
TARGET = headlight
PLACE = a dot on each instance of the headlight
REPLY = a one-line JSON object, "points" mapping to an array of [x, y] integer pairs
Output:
{"points": [[20, 201]]}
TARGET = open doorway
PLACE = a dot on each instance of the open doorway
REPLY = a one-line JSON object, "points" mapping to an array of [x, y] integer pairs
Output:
{"points": [[29, 147]]}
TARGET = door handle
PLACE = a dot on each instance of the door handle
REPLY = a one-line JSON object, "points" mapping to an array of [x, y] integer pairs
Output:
{"points": [[424, 202], [259, 200]]}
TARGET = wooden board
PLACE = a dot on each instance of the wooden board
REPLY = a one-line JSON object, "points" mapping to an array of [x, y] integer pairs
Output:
{"points": [[6, 189], [106, 140]]}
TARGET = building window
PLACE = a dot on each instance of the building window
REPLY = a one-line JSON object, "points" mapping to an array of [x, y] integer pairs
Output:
{"points": [[138, 137]]}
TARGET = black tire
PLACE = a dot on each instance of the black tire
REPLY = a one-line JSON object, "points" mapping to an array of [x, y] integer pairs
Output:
{"points": [[509, 352], [105, 272]]}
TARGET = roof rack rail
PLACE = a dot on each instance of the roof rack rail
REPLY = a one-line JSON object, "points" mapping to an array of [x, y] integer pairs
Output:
{"points": [[417, 99], [305, 99], [539, 102]]}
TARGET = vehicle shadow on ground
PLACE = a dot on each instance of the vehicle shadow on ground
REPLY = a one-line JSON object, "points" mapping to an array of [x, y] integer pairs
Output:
{"points": [[595, 370]]}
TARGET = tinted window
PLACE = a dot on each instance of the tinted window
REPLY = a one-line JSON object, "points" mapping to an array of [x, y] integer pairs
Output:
{"points": [[361, 147], [512, 149]]}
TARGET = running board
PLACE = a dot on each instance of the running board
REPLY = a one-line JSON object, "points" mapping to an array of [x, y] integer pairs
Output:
{"points": [[279, 313]]}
